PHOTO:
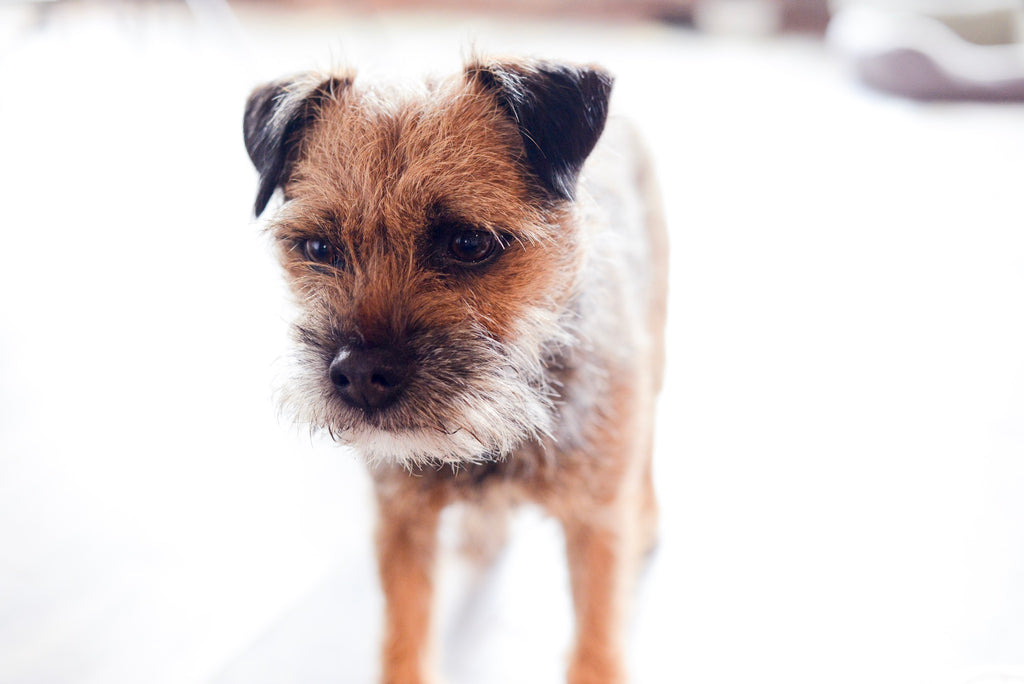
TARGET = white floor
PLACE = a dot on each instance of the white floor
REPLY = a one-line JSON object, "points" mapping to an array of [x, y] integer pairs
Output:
{"points": [[841, 456]]}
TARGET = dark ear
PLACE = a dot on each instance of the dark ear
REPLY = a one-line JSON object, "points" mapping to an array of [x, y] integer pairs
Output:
{"points": [[560, 111], [276, 117]]}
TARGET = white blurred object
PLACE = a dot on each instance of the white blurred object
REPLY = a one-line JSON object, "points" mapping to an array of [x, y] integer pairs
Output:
{"points": [[934, 49], [984, 22], [748, 18]]}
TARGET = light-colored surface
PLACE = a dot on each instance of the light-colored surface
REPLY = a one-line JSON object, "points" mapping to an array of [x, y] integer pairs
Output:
{"points": [[841, 455]]}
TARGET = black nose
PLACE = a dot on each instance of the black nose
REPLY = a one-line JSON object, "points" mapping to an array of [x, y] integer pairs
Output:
{"points": [[369, 378]]}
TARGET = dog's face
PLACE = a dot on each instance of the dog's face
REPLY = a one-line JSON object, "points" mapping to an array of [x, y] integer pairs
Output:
{"points": [[430, 241]]}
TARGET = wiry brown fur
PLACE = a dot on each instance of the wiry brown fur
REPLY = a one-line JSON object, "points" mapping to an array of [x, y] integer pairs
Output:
{"points": [[535, 375]]}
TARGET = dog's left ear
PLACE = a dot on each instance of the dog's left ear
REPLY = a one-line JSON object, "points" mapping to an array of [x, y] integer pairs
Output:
{"points": [[560, 111], [276, 117]]}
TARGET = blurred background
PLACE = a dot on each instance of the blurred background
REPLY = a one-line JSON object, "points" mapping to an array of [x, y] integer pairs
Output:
{"points": [[841, 445]]}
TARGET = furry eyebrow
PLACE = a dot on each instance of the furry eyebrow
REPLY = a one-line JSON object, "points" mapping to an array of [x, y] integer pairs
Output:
{"points": [[439, 216], [301, 224]]}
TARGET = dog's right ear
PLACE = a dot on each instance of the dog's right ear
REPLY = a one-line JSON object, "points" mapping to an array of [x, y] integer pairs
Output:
{"points": [[276, 117]]}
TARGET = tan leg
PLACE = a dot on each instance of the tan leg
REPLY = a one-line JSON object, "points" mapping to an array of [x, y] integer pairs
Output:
{"points": [[599, 553], [610, 519], [484, 531], [406, 549]]}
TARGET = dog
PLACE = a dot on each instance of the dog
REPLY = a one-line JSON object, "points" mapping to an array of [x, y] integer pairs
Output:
{"points": [[479, 264]]}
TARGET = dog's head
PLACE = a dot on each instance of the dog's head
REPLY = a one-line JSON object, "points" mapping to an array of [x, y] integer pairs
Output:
{"points": [[430, 240]]}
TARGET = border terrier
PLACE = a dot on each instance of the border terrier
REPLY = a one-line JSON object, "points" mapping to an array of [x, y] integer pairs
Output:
{"points": [[479, 265]]}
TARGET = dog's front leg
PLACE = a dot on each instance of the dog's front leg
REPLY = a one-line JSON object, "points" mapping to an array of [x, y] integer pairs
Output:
{"points": [[598, 554], [406, 548]]}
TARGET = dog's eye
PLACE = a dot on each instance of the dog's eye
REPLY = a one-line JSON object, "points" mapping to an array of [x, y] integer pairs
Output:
{"points": [[319, 251], [472, 246]]}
